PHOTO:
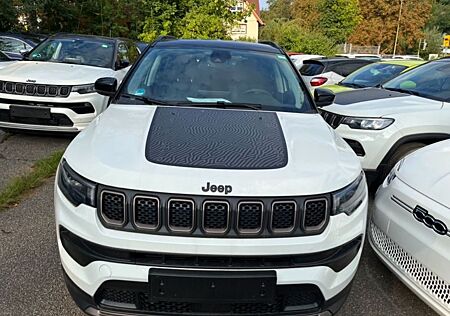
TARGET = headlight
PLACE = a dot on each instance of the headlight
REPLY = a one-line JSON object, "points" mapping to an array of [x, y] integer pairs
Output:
{"points": [[367, 123], [351, 197], [84, 89], [74, 187]]}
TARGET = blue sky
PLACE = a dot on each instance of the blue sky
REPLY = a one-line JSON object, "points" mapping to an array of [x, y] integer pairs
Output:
{"points": [[263, 4]]}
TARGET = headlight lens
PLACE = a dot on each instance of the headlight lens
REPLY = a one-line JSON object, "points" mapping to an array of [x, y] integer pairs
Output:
{"points": [[367, 123], [84, 89], [351, 197], [74, 187]]}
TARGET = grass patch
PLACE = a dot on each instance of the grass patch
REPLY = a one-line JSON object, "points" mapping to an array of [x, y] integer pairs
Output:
{"points": [[19, 186]]}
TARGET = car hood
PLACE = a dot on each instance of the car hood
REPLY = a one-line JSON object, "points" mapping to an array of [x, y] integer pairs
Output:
{"points": [[4, 64], [375, 102], [53, 73], [428, 171], [114, 150]]}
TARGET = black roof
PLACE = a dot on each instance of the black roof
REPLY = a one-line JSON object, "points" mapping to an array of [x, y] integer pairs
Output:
{"points": [[218, 44]]}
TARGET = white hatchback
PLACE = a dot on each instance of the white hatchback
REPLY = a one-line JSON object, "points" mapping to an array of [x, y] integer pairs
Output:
{"points": [[409, 229]]}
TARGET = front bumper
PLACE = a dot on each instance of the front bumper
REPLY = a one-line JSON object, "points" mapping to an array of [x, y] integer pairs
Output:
{"points": [[91, 276], [414, 252], [62, 118]]}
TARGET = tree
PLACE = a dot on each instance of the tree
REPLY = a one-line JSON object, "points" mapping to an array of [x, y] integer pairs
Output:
{"points": [[440, 16], [292, 37], [8, 15], [278, 9], [339, 18], [190, 18], [379, 24]]}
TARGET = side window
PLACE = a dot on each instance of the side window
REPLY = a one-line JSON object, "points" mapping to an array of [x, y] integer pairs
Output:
{"points": [[123, 59], [11, 45], [133, 52]]}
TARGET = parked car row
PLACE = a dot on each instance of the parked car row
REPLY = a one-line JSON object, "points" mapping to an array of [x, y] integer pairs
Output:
{"points": [[211, 164]]}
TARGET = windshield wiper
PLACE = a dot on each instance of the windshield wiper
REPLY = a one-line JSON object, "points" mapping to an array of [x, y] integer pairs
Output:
{"points": [[223, 105], [146, 100], [351, 85], [403, 91]]}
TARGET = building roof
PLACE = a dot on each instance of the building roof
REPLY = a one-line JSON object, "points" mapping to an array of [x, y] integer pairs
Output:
{"points": [[256, 11]]}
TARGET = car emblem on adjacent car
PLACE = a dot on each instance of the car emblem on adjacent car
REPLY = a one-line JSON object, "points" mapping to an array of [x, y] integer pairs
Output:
{"points": [[31, 81], [421, 215]]}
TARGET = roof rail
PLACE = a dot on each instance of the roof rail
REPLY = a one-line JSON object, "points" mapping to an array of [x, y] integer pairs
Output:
{"points": [[270, 43]]}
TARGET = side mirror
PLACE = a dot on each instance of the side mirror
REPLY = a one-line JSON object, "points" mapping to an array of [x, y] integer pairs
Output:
{"points": [[121, 64], [106, 86], [323, 97], [24, 52]]}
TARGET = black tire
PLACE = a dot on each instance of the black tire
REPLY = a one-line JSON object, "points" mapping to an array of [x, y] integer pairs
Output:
{"points": [[400, 153]]}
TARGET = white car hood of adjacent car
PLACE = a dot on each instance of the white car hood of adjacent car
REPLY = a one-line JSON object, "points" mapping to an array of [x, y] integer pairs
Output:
{"points": [[53, 73], [385, 106], [428, 171], [112, 151], [4, 64]]}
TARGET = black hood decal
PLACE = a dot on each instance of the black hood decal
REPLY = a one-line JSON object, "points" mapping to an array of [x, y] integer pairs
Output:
{"points": [[219, 139], [363, 95]]}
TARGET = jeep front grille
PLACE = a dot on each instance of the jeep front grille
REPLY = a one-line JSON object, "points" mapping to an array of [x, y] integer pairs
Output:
{"points": [[31, 89], [333, 119], [201, 216]]}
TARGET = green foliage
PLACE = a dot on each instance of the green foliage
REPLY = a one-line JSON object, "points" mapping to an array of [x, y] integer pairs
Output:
{"points": [[293, 37], [433, 38], [339, 18], [440, 16], [8, 15], [190, 18]]}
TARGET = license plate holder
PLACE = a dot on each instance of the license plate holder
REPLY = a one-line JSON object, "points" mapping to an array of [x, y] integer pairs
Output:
{"points": [[29, 111], [212, 286]]}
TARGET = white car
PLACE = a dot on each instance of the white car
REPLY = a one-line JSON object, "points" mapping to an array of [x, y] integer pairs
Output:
{"points": [[409, 229], [300, 58], [383, 125], [329, 71], [53, 89], [192, 194]]}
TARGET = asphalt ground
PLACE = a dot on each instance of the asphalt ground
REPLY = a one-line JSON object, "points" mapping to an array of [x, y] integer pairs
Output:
{"points": [[31, 281]]}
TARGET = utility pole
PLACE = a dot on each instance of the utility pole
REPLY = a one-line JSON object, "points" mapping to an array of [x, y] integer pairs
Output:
{"points": [[398, 27]]}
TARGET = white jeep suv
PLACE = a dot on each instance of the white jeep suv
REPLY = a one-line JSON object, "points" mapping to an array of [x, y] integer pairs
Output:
{"points": [[210, 186], [53, 88], [383, 125]]}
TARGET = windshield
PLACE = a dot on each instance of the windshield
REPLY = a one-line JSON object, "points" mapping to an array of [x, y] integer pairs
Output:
{"points": [[89, 52], [183, 76], [432, 80], [372, 75], [312, 68]]}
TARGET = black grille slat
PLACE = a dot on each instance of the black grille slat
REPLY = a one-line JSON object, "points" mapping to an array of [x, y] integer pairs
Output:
{"points": [[333, 119], [146, 212], [315, 214], [113, 207], [40, 90], [181, 215], [283, 216], [215, 216], [250, 216]]}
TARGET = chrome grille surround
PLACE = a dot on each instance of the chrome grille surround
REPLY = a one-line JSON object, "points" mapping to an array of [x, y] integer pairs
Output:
{"points": [[273, 217], [30, 89], [103, 211], [215, 230], [319, 226], [141, 225]]}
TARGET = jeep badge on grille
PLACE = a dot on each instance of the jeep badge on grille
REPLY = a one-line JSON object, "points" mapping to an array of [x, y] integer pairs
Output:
{"points": [[217, 188]]}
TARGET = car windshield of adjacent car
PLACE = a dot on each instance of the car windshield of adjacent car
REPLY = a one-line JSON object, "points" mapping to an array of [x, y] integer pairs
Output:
{"points": [[431, 81], [194, 76], [372, 75], [81, 51]]}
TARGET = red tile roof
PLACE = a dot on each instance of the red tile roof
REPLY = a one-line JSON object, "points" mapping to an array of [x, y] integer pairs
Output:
{"points": [[256, 11]]}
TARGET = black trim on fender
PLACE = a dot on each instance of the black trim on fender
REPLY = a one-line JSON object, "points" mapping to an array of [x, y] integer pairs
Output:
{"points": [[85, 252]]}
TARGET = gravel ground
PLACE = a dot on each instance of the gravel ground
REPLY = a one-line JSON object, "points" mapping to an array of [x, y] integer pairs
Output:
{"points": [[32, 284], [18, 152]]}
